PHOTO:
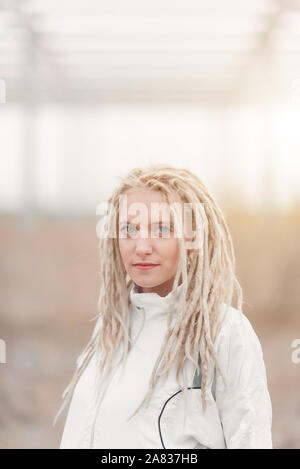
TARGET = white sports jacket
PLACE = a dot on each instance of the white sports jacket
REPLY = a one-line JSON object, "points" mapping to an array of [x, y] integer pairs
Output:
{"points": [[237, 416]]}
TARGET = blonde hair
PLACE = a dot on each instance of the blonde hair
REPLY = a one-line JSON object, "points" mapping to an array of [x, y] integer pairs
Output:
{"points": [[207, 273]]}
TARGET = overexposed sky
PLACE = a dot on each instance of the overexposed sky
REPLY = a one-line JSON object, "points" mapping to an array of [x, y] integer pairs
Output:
{"points": [[69, 159]]}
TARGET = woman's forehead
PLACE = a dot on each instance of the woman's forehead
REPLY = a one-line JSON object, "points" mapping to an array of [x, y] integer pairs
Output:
{"points": [[145, 194], [147, 201]]}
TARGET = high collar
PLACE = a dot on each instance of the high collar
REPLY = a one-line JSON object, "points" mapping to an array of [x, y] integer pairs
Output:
{"points": [[153, 304]]}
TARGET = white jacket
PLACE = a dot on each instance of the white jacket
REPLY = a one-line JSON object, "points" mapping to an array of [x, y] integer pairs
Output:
{"points": [[237, 416]]}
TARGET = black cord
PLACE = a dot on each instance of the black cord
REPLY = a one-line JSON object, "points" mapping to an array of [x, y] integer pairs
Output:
{"points": [[180, 390]]}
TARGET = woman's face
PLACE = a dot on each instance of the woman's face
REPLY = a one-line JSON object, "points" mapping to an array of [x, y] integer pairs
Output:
{"points": [[137, 246]]}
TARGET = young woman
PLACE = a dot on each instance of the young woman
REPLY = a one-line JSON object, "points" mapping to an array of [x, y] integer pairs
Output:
{"points": [[171, 362]]}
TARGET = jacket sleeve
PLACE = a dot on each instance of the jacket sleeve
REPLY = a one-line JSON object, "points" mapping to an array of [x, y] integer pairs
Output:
{"points": [[244, 405], [81, 403]]}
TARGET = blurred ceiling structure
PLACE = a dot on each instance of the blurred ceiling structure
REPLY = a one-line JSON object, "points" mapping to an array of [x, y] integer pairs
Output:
{"points": [[91, 51]]}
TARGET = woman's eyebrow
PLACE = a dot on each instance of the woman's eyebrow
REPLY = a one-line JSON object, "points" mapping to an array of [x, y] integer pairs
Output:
{"points": [[153, 223], [162, 221]]}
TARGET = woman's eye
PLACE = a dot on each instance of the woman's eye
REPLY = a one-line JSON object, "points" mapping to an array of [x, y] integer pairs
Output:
{"points": [[128, 229], [164, 228], [131, 229]]}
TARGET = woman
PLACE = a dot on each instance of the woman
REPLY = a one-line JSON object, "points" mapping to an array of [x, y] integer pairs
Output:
{"points": [[166, 321]]}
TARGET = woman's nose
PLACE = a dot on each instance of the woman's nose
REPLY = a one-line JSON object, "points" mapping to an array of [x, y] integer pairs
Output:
{"points": [[143, 245]]}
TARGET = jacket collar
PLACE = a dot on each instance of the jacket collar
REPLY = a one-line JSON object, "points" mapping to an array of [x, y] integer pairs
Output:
{"points": [[154, 304]]}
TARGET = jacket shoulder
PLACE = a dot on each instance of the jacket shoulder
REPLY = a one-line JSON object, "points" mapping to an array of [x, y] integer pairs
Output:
{"points": [[234, 319], [80, 358], [236, 331]]}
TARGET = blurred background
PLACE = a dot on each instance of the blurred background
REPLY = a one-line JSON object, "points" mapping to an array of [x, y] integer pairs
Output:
{"points": [[90, 89]]}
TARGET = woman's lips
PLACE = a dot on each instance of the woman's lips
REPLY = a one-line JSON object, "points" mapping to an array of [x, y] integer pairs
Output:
{"points": [[145, 267]]}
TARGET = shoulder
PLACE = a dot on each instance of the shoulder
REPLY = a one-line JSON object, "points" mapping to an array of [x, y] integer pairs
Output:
{"points": [[235, 323], [80, 358], [236, 334]]}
